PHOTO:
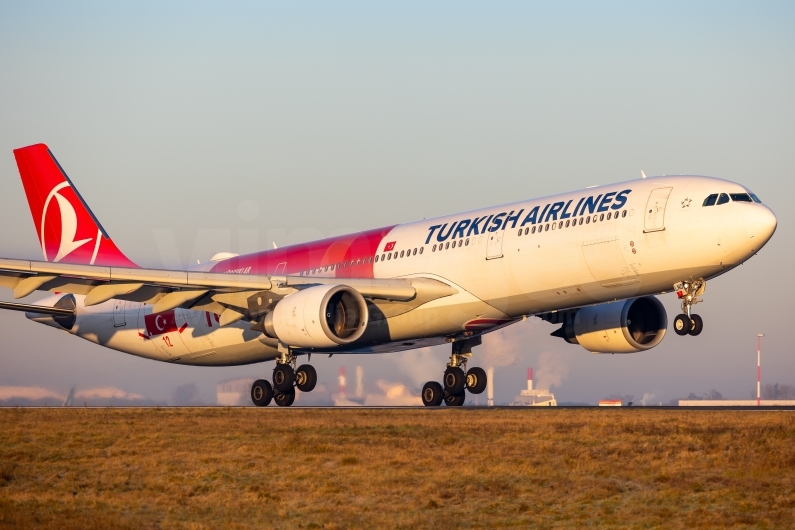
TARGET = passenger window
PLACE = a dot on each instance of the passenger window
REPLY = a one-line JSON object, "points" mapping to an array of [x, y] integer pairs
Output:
{"points": [[401, 253], [389, 256], [609, 215], [395, 254], [553, 225], [723, 199], [534, 230], [414, 253], [466, 242], [520, 231], [447, 245], [624, 213], [326, 269], [546, 228], [567, 224], [560, 225], [581, 220], [602, 217], [434, 248], [421, 248], [741, 197], [376, 259], [587, 220], [710, 201]]}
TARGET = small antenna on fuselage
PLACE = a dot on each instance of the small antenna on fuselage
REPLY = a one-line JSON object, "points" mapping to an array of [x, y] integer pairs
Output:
{"points": [[642, 174]]}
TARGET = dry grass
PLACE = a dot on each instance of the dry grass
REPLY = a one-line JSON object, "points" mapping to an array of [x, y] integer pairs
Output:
{"points": [[293, 468]]}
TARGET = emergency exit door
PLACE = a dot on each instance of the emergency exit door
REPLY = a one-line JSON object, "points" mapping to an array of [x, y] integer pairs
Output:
{"points": [[655, 210], [119, 307]]}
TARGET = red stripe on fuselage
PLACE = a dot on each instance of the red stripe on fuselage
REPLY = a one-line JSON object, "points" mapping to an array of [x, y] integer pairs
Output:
{"points": [[291, 260]]}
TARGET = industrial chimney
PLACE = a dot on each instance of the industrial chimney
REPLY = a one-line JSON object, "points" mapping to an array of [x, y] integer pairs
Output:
{"points": [[529, 379], [490, 386]]}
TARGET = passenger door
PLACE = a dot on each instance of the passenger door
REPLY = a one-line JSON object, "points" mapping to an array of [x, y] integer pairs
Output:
{"points": [[655, 210], [494, 244]]}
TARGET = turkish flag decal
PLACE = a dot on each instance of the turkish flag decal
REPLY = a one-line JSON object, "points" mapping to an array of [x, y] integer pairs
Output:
{"points": [[160, 323], [390, 246]]}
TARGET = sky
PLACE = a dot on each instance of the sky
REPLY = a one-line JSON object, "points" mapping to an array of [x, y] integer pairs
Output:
{"points": [[194, 128]]}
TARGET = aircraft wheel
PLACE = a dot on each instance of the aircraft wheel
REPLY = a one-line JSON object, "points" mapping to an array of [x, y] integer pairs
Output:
{"points": [[455, 380], [682, 324], [697, 325], [285, 399], [455, 400], [305, 378], [432, 394], [476, 380], [283, 377], [261, 393]]}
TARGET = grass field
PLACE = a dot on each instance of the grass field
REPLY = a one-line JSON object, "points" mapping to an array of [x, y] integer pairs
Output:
{"points": [[447, 468]]}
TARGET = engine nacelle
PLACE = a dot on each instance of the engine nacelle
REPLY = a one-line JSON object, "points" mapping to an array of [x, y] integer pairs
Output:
{"points": [[627, 326], [322, 316]]}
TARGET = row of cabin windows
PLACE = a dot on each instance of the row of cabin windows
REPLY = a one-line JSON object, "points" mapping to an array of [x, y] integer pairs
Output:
{"points": [[571, 222], [723, 198], [402, 254], [362, 261], [453, 244]]}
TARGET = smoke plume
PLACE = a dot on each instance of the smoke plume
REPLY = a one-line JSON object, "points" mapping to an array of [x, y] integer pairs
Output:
{"points": [[552, 370]]}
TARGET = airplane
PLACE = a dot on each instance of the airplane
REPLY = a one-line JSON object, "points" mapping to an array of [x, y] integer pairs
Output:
{"points": [[592, 261]]}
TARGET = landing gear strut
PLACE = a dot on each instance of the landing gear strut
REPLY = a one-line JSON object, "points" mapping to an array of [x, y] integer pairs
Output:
{"points": [[689, 323], [457, 380], [286, 378]]}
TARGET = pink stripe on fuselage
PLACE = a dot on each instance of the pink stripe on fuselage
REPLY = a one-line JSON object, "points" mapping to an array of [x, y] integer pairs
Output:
{"points": [[294, 259]]}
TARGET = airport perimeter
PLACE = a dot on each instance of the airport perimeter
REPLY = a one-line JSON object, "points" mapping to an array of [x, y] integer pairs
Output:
{"points": [[396, 468]]}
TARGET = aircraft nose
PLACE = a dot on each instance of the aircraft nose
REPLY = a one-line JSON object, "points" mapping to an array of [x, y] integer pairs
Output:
{"points": [[760, 223]]}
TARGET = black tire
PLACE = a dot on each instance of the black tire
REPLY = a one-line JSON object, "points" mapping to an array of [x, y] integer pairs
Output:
{"points": [[261, 393], [285, 399], [682, 324], [698, 325], [305, 378], [455, 400], [476, 380], [283, 378], [432, 394], [455, 380]]}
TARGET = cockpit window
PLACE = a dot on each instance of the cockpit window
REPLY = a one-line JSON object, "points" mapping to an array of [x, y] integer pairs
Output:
{"points": [[741, 197], [755, 198], [723, 198], [710, 201]]}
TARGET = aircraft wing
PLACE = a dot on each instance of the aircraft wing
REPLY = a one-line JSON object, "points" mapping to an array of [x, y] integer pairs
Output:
{"points": [[233, 296]]}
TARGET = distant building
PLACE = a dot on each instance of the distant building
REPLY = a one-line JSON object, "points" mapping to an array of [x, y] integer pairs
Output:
{"points": [[234, 392], [611, 403], [532, 397], [736, 403]]}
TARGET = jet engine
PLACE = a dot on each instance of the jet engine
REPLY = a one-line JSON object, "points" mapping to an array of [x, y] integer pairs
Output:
{"points": [[627, 326], [322, 316]]}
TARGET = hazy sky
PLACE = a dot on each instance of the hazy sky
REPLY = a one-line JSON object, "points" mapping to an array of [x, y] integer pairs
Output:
{"points": [[196, 128]]}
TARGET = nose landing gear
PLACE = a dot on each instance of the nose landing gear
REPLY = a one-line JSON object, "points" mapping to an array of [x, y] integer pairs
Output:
{"points": [[456, 379], [689, 323]]}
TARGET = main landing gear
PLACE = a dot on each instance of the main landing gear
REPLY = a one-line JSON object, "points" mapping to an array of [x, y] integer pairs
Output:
{"points": [[457, 379], [286, 378], [689, 323]]}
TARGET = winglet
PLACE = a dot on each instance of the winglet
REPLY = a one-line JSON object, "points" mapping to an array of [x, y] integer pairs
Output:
{"points": [[68, 230]]}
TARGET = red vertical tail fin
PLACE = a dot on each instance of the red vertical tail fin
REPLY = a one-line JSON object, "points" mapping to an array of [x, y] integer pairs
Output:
{"points": [[68, 230]]}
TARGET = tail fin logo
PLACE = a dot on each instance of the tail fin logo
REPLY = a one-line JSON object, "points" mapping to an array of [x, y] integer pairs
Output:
{"points": [[67, 243]]}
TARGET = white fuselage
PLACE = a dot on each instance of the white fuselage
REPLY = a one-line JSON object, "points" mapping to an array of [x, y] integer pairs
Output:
{"points": [[659, 235]]}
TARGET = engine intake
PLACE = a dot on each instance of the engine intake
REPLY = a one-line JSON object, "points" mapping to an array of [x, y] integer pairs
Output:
{"points": [[322, 316], [627, 326]]}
